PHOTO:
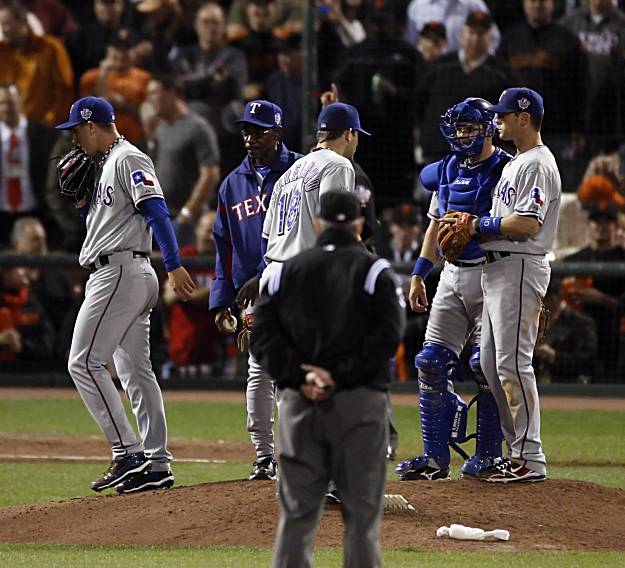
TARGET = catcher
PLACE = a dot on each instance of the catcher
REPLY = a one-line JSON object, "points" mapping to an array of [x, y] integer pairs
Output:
{"points": [[461, 183]]}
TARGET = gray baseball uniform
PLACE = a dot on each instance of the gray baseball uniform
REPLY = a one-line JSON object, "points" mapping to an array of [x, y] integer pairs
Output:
{"points": [[514, 281], [289, 228], [113, 322]]}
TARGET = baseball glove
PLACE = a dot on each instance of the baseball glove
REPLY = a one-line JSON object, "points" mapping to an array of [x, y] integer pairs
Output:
{"points": [[453, 236], [76, 174], [243, 338], [543, 321]]}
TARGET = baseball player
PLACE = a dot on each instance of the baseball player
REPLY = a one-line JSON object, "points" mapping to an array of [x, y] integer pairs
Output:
{"points": [[123, 211], [518, 233], [243, 198], [462, 181]]}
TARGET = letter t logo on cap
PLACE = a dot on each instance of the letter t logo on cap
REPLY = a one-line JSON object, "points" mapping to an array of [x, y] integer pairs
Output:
{"points": [[253, 107]]}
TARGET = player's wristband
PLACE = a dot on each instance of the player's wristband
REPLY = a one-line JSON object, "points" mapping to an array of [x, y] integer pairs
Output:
{"points": [[422, 267], [490, 225]]}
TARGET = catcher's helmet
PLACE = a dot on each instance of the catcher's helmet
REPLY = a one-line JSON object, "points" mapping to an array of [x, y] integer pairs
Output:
{"points": [[471, 111]]}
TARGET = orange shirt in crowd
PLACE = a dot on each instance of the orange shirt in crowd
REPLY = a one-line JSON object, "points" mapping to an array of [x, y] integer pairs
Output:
{"points": [[42, 72], [132, 85]]}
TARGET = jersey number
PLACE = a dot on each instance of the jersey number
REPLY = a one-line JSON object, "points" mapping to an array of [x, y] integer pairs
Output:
{"points": [[288, 205]]}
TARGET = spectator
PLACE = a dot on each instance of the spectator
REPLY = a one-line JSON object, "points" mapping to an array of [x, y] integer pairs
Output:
{"points": [[451, 13], [211, 72], [193, 336], [25, 333], [600, 28], [161, 25], [51, 286], [186, 156], [379, 77], [598, 296], [123, 85], [346, 16], [87, 45], [260, 45], [284, 87], [24, 149], [569, 350], [38, 65], [469, 72], [432, 42], [286, 18], [610, 165], [549, 59], [53, 16]]}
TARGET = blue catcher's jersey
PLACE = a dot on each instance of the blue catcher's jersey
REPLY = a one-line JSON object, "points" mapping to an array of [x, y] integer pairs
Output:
{"points": [[460, 186]]}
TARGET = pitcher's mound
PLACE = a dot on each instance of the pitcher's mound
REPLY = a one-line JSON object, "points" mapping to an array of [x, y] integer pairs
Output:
{"points": [[555, 515]]}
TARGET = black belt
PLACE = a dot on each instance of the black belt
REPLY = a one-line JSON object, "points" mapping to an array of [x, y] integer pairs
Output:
{"points": [[463, 264], [104, 259], [494, 255]]}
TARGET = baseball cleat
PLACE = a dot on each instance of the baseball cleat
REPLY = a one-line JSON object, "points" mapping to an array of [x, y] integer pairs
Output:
{"points": [[333, 498], [265, 468], [507, 471], [390, 453], [421, 468], [120, 470], [472, 467], [147, 481]]}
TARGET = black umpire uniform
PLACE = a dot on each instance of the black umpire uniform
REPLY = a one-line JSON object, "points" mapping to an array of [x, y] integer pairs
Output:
{"points": [[327, 322]]}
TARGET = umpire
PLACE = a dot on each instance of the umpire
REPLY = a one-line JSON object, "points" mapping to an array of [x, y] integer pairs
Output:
{"points": [[327, 322]]}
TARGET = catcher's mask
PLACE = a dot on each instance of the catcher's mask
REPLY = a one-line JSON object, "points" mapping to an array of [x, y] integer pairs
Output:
{"points": [[466, 125]]}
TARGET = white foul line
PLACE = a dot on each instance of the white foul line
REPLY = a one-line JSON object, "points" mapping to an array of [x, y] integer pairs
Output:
{"points": [[25, 457]]}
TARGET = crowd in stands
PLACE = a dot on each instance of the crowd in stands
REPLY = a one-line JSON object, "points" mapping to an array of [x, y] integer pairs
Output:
{"points": [[178, 73]]}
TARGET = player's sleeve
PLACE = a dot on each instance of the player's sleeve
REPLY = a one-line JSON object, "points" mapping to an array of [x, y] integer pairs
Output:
{"points": [[138, 176], [271, 210], [222, 289], [340, 176], [434, 211], [533, 194], [157, 216]]}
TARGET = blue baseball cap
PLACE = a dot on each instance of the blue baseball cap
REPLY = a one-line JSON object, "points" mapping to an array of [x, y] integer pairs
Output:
{"points": [[519, 99], [88, 109], [340, 116], [262, 113]]}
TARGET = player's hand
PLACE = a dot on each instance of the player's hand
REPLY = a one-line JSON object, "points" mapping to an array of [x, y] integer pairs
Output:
{"points": [[181, 283], [329, 97], [11, 339], [319, 383], [417, 296], [225, 321], [248, 293]]}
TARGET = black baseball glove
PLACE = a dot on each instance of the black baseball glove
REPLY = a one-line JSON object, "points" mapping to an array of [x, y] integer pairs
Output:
{"points": [[76, 174]]}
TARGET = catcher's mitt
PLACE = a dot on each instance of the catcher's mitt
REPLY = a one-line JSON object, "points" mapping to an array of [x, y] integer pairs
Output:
{"points": [[243, 338], [453, 236], [76, 174]]}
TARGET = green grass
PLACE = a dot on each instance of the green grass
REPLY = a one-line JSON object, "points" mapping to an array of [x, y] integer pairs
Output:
{"points": [[22, 483], [238, 557]]}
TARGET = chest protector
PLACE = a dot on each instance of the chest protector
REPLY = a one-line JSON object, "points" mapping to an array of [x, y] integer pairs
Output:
{"points": [[468, 188]]}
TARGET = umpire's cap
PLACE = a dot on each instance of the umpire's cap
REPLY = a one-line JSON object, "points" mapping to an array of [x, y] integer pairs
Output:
{"points": [[88, 109], [519, 99], [262, 113], [339, 206], [339, 116]]}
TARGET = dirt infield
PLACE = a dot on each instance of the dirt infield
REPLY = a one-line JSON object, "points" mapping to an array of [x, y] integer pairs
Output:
{"points": [[550, 516]]}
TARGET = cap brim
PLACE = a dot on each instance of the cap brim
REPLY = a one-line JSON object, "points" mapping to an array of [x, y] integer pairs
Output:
{"points": [[255, 122], [68, 125], [363, 132], [500, 109]]}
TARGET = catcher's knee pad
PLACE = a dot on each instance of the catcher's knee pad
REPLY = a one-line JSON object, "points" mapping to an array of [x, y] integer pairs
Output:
{"points": [[443, 413]]}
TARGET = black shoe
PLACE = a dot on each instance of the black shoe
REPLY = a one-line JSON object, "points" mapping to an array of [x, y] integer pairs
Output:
{"points": [[120, 470], [147, 481], [265, 468], [390, 454]]}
